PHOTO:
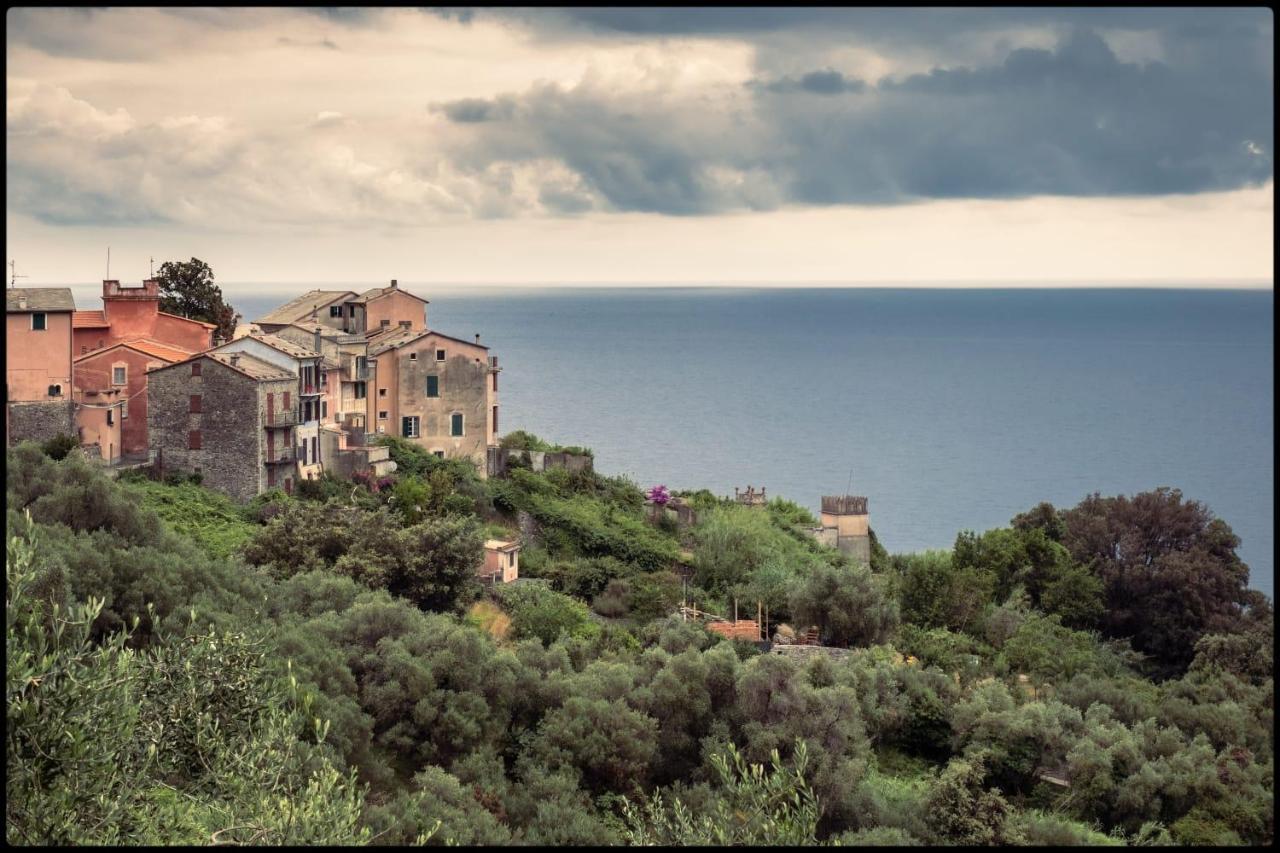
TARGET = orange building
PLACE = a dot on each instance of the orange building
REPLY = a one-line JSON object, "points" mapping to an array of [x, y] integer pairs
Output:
{"points": [[122, 367], [38, 363], [133, 313]]}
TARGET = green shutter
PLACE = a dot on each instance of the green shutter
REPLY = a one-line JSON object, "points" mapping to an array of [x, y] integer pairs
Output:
{"points": [[405, 424], [433, 386], [457, 424]]}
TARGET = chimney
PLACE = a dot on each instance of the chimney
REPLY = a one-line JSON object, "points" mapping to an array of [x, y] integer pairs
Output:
{"points": [[394, 286], [317, 340], [477, 337], [235, 359]]}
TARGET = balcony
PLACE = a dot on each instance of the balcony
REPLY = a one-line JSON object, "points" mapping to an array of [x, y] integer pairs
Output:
{"points": [[285, 456], [310, 389], [271, 420]]}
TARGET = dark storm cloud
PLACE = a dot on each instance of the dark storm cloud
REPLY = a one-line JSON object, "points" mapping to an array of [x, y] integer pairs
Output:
{"points": [[1074, 120], [824, 82], [475, 110]]}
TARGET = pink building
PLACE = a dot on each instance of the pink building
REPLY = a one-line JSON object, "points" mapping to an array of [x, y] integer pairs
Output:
{"points": [[133, 313], [38, 340], [122, 367]]}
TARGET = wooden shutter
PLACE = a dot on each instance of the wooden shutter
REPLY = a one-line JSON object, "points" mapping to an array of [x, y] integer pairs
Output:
{"points": [[433, 386], [195, 404], [194, 440]]}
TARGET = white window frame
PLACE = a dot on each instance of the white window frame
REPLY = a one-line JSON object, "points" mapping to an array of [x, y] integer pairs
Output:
{"points": [[123, 367], [413, 356], [415, 424]]}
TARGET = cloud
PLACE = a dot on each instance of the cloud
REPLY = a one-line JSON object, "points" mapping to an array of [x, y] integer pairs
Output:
{"points": [[767, 108], [824, 82]]}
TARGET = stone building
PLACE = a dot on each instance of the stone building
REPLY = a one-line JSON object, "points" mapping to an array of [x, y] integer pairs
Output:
{"points": [[306, 396], [38, 351], [846, 526], [384, 372], [325, 307], [437, 391], [227, 416]]}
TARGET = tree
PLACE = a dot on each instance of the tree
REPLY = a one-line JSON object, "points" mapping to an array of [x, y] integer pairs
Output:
{"points": [[1169, 569], [751, 806], [846, 604], [187, 289], [962, 810]]}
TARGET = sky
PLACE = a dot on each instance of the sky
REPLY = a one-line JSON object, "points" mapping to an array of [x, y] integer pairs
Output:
{"points": [[1012, 147]]}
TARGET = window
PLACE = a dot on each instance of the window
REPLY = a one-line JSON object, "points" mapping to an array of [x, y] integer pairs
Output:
{"points": [[55, 390], [119, 375], [382, 392], [324, 379], [335, 310], [413, 356], [39, 321], [359, 390], [439, 454], [324, 408], [495, 420], [455, 425], [433, 386], [439, 355], [195, 404], [382, 416], [195, 369], [409, 426], [193, 440], [495, 382], [315, 450], [111, 421], [286, 401], [124, 409]]}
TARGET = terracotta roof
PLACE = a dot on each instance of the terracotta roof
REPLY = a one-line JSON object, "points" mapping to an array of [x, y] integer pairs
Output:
{"points": [[162, 351], [252, 367], [404, 337], [25, 299], [301, 307], [88, 320], [188, 319], [376, 292], [312, 328]]}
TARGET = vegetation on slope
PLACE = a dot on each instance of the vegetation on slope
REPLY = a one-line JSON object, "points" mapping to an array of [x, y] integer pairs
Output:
{"points": [[1112, 645]]}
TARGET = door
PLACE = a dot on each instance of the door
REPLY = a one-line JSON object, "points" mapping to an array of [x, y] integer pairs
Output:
{"points": [[271, 410]]}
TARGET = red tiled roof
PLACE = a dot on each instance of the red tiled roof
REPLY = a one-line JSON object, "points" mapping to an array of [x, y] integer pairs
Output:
{"points": [[88, 320], [146, 346]]}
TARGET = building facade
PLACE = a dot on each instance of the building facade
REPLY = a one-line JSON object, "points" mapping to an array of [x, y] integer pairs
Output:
{"points": [[227, 416], [123, 368], [133, 313], [38, 348]]}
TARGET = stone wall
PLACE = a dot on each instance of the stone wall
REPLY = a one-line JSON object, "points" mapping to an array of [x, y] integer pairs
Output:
{"points": [[538, 460], [233, 441], [41, 421], [801, 654]]}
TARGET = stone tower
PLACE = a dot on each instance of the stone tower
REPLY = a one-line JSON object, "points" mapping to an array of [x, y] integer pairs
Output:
{"points": [[845, 520]]}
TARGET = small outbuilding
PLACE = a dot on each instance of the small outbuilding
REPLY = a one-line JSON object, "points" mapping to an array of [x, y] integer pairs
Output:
{"points": [[501, 561]]}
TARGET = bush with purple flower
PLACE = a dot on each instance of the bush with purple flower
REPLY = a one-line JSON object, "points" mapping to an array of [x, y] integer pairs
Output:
{"points": [[659, 495]]}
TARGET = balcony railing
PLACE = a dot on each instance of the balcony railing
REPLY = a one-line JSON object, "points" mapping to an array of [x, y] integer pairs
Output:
{"points": [[309, 389], [285, 418], [282, 457]]}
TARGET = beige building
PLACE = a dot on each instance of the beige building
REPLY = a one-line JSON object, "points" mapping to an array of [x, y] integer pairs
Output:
{"points": [[501, 562]]}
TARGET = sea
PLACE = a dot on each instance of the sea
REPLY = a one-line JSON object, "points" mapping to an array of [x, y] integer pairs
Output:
{"points": [[950, 409]]}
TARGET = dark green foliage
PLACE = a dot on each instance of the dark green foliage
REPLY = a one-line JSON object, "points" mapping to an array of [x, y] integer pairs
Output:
{"points": [[431, 563], [521, 440], [187, 289], [320, 661], [1169, 569], [847, 604], [59, 446]]}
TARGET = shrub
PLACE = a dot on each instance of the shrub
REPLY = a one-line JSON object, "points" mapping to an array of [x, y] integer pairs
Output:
{"points": [[59, 446]]}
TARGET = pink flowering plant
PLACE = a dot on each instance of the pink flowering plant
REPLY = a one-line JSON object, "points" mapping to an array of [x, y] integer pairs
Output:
{"points": [[659, 495]]}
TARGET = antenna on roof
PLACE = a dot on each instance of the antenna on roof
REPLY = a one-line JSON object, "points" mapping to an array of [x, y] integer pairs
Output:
{"points": [[153, 267], [108, 263], [850, 485], [13, 273]]}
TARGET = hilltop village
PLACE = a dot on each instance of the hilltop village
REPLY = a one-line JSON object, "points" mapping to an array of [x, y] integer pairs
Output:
{"points": [[300, 391]]}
